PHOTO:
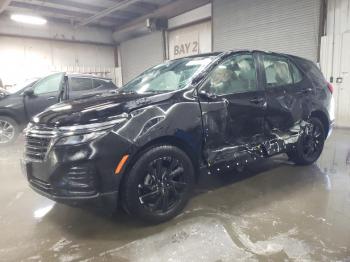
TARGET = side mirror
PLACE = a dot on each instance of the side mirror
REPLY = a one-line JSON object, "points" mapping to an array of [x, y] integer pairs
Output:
{"points": [[206, 95], [29, 92]]}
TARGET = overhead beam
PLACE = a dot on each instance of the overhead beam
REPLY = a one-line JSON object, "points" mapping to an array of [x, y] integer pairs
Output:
{"points": [[70, 14], [173, 9], [56, 31], [99, 15], [67, 5], [4, 4], [137, 26]]}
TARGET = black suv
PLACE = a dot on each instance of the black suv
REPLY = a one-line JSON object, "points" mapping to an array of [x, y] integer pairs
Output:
{"points": [[145, 145], [22, 103]]}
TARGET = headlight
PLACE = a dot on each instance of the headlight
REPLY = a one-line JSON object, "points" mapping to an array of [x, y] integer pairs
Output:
{"points": [[79, 139], [78, 134], [92, 127]]}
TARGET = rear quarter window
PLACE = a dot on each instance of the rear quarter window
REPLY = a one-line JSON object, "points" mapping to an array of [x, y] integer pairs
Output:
{"points": [[312, 71], [297, 75]]}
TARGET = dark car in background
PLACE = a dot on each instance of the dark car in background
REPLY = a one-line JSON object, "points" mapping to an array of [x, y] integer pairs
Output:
{"points": [[144, 146], [21, 103], [3, 92]]}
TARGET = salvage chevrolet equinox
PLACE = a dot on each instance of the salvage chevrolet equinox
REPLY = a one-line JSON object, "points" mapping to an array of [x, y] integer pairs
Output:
{"points": [[144, 146]]}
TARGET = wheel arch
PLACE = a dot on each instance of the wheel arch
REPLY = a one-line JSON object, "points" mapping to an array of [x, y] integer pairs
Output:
{"points": [[165, 140], [323, 118], [9, 115]]}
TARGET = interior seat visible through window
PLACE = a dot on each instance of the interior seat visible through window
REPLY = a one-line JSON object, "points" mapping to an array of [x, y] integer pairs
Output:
{"points": [[277, 71], [235, 75]]}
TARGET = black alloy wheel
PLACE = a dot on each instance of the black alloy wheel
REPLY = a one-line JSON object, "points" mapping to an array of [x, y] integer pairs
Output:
{"points": [[163, 185], [159, 184], [8, 131], [310, 144]]}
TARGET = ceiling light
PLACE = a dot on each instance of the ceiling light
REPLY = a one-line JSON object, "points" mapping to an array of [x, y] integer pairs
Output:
{"points": [[29, 19]]}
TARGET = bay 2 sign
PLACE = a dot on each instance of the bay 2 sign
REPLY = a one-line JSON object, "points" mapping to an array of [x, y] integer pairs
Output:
{"points": [[184, 44]]}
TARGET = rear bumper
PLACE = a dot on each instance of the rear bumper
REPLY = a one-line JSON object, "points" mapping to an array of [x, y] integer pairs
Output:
{"points": [[331, 127]]}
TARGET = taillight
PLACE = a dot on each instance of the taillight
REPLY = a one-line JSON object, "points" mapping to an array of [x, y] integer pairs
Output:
{"points": [[330, 87]]}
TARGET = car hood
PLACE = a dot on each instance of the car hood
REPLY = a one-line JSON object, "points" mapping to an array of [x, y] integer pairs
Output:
{"points": [[95, 109]]}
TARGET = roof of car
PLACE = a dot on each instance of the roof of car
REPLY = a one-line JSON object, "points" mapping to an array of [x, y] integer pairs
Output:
{"points": [[248, 50], [87, 75]]}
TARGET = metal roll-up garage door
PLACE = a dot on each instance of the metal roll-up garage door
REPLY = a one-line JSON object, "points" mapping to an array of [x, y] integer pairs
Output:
{"points": [[140, 53], [275, 25]]}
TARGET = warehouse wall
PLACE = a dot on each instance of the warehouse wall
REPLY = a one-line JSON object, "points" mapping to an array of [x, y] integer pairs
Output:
{"points": [[23, 58], [335, 57], [141, 53], [276, 25]]}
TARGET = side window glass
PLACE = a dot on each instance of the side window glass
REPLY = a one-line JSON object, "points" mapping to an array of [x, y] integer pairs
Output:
{"points": [[297, 76], [80, 83], [48, 84], [277, 71], [102, 84], [236, 74]]}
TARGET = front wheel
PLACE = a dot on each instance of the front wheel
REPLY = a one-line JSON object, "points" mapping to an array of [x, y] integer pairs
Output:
{"points": [[310, 144], [9, 131], [159, 184]]}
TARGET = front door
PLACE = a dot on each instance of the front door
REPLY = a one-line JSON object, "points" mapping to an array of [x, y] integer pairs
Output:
{"points": [[46, 92], [233, 109]]}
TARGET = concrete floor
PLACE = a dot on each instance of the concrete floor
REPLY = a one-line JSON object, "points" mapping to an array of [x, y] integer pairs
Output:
{"points": [[272, 211]]}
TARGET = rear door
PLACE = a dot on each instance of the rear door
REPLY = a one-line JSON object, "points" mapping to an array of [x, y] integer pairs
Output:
{"points": [[233, 113], [80, 86], [103, 85], [288, 92]]}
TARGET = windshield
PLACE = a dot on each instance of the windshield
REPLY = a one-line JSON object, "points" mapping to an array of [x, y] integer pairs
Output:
{"points": [[170, 76]]}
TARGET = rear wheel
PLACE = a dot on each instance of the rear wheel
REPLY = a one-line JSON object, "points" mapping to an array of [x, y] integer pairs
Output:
{"points": [[159, 184], [8, 131], [309, 145]]}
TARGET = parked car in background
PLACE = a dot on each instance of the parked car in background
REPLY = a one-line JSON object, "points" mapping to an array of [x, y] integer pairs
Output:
{"points": [[20, 103], [145, 145], [3, 92]]}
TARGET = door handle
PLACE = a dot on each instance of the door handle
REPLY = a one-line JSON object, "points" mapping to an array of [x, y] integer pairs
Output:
{"points": [[51, 98], [257, 100], [305, 91]]}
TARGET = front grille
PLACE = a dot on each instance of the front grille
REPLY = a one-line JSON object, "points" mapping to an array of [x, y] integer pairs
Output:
{"points": [[38, 141]]}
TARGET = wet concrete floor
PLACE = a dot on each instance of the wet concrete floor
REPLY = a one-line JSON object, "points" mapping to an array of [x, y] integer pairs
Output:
{"points": [[272, 211]]}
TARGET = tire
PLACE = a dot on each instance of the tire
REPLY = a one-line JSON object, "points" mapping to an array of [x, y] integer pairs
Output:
{"points": [[309, 146], [160, 173], [9, 131]]}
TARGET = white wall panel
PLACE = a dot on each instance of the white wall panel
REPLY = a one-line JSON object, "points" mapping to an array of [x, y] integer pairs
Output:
{"points": [[335, 57], [23, 58]]}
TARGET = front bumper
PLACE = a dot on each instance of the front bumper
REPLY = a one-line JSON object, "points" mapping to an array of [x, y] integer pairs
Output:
{"points": [[78, 174], [105, 199]]}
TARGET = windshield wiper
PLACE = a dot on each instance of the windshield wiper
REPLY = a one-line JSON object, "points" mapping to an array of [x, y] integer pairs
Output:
{"points": [[157, 91], [127, 92]]}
